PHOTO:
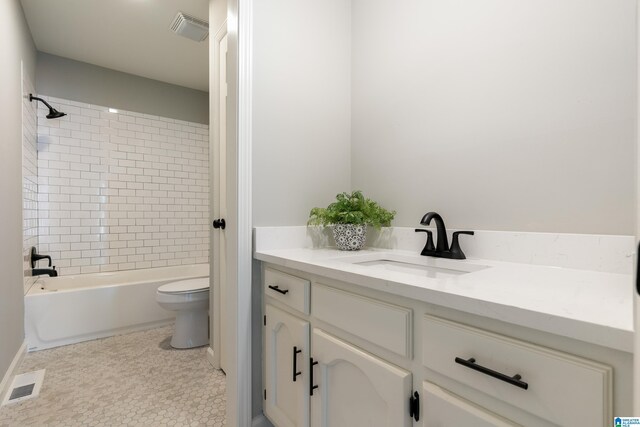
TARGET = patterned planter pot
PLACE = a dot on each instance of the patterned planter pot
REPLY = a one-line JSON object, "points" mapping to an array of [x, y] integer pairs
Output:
{"points": [[350, 237]]}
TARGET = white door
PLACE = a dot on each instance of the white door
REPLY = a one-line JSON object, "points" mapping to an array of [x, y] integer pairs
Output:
{"points": [[354, 388], [218, 160], [286, 369], [222, 173], [440, 408], [636, 284], [237, 348]]}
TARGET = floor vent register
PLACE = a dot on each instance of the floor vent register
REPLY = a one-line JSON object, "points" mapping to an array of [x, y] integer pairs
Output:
{"points": [[24, 386]]}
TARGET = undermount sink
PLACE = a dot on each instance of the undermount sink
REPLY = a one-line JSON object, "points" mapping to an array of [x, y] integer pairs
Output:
{"points": [[434, 268]]}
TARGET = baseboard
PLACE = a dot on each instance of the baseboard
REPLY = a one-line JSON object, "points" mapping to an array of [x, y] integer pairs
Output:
{"points": [[13, 370], [211, 357], [261, 421]]}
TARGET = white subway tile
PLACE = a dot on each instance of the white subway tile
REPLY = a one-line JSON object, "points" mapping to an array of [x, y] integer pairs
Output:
{"points": [[118, 259], [89, 112], [124, 191], [90, 269], [77, 262]]}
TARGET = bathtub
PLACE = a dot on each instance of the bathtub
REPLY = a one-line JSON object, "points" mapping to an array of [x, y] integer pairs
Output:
{"points": [[70, 309]]}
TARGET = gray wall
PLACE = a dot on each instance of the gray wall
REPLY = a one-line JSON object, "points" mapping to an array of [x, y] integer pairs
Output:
{"points": [[498, 115], [301, 107], [16, 46], [79, 81]]}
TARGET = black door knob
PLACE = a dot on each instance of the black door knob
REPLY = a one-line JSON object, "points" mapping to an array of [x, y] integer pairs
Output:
{"points": [[219, 223]]}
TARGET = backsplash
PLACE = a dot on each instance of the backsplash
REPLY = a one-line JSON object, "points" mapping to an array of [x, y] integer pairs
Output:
{"points": [[606, 253], [29, 181], [121, 191]]}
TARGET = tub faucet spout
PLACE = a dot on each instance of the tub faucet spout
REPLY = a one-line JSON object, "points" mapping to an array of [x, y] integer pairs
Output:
{"points": [[51, 272]]}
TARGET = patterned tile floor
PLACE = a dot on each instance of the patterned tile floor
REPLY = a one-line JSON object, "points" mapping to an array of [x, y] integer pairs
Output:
{"points": [[133, 380]]}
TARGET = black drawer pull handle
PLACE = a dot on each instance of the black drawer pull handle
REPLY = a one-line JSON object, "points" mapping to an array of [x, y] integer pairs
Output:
{"points": [[311, 386], [277, 289], [295, 363], [514, 380]]}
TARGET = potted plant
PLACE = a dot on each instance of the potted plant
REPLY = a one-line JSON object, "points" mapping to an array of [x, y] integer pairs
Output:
{"points": [[349, 215]]}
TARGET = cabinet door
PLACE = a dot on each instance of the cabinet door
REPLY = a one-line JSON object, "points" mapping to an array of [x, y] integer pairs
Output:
{"points": [[443, 409], [355, 388], [287, 402]]}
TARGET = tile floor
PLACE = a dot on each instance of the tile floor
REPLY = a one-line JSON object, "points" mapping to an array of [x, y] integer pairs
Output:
{"points": [[134, 380]]}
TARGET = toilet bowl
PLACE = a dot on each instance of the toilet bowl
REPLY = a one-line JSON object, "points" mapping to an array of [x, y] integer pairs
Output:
{"points": [[190, 300]]}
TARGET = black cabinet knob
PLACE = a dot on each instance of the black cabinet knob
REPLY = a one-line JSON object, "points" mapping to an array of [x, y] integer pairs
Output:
{"points": [[219, 223]]}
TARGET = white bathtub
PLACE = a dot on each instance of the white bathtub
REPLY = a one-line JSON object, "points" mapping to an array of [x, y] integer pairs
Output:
{"points": [[70, 309]]}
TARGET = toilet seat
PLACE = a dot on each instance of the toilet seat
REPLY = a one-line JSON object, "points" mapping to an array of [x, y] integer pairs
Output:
{"points": [[189, 286]]}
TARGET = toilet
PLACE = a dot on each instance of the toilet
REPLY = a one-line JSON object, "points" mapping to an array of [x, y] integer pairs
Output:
{"points": [[190, 300]]}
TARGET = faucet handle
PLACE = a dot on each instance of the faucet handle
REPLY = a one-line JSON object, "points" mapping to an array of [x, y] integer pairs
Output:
{"points": [[429, 246], [455, 244], [36, 257]]}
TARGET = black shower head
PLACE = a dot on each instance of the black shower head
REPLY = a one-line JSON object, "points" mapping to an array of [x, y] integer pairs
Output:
{"points": [[53, 113]]}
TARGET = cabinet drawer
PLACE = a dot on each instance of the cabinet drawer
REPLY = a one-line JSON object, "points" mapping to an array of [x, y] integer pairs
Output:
{"points": [[290, 290], [561, 388], [380, 323]]}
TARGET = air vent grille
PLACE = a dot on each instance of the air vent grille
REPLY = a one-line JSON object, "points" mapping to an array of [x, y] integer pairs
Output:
{"points": [[24, 386], [22, 391], [190, 27]]}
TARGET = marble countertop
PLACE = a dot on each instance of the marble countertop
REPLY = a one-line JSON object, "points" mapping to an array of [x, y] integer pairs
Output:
{"points": [[591, 306]]}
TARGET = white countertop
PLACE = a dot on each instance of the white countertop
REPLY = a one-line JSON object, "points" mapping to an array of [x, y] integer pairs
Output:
{"points": [[591, 306]]}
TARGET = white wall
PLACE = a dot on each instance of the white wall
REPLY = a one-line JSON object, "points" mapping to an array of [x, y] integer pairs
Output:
{"points": [[121, 191], [499, 115], [82, 82], [29, 180], [16, 46], [301, 107]]}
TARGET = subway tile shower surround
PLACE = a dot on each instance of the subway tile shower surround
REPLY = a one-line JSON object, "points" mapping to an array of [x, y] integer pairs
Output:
{"points": [[121, 191]]}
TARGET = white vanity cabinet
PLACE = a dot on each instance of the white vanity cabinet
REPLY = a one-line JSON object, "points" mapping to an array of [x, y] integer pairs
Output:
{"points": [[559, 388], [336, 383], [364, 359], [355, 388], [286, 368]]}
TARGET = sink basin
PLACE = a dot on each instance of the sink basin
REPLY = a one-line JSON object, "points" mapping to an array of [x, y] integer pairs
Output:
{"points": [[434, 268]]}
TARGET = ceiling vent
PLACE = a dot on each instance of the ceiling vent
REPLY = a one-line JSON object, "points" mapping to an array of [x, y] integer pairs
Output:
{"points": [[190, 27]]}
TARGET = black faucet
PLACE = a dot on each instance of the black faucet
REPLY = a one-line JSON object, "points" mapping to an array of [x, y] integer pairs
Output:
{"points": [[37, 257], [52, 272], [441, 249]]}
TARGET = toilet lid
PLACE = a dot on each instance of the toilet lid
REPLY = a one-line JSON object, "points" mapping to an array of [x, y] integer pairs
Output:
{"points": [[183, 286]]}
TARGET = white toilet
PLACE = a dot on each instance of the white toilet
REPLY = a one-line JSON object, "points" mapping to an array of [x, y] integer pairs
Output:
{"points": [[190, 300]]}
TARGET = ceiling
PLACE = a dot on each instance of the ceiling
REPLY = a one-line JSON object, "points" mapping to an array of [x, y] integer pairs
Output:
{"points": [[132, 36]]}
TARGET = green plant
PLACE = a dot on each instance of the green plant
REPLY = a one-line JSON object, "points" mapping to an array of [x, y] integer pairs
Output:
{"points": [[352, 208]]}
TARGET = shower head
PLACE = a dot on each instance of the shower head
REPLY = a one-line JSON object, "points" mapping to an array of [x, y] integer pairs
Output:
{"points": [[53, 113]]}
